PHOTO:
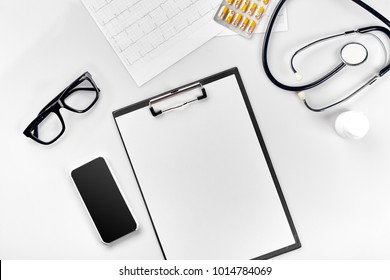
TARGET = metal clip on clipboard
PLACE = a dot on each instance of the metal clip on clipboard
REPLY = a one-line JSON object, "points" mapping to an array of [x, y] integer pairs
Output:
{"points": [[174, 93]]}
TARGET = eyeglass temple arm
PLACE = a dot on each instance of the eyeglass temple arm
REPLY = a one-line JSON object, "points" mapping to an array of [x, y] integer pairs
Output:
{"points": [[55, 99]]}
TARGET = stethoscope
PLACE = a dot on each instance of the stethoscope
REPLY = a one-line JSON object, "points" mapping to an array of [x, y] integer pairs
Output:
{"points": [[351, 54]]}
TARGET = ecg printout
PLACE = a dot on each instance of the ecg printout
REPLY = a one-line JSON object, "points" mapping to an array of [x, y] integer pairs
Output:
{"points": [[151, 35]]}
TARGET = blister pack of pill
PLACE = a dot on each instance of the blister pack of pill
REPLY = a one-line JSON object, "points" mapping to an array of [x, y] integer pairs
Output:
{"points": [[241, 16]]}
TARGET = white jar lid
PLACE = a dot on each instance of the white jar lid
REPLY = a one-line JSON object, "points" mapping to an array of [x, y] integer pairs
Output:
{"points": [[352, 124]]}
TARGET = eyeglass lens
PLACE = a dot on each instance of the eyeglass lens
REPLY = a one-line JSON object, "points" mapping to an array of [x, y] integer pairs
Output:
{"points": [[49, 128], [81, 96]]}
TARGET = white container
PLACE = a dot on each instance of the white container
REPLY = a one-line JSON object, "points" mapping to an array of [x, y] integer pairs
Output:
{"points": [[352, 125]]}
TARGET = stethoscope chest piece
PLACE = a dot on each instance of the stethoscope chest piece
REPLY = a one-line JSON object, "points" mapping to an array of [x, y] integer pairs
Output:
{"points": [[353, 54]]}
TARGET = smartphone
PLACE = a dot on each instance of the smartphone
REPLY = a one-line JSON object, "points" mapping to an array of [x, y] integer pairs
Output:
{"points": [[103, 200]]}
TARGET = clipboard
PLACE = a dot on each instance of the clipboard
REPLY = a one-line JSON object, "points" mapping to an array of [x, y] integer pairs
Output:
{"points": [[204, 172]]}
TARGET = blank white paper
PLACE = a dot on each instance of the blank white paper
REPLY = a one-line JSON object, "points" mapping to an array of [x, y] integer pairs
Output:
{"points": [[205, 179]]}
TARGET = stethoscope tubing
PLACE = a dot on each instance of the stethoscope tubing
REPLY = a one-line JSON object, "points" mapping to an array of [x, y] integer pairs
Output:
{"points": [[373, 12]]}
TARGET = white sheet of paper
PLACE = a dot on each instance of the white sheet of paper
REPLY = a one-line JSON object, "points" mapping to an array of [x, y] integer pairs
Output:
{"points": [[151, 35], [205, 179]]}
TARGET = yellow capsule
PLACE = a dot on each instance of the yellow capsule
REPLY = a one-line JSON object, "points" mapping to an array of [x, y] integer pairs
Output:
{"points": [[222, 12], [244, 23], [251, 26], [244, 5], [259, 12], [237, 3], [229, 16], [237, 19], [252, 8], [265, 1], [229, 1]]}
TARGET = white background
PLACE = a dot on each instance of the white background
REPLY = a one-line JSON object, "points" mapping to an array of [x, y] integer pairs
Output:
{"points": [[321, 270], [338, 191]]}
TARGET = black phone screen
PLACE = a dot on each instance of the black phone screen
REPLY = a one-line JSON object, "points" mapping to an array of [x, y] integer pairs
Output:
{"points": [[103, 200]]}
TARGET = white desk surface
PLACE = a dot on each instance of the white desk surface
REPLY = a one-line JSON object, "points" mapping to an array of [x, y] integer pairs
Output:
{"points": [[337, 190]]}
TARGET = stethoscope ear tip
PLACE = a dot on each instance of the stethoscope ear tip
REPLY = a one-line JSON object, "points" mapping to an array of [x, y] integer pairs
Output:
{"points": [[298, 76], [301, 95]]}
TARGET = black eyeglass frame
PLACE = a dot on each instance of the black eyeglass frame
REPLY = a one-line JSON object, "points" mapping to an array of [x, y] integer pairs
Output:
{"points": [[56, 104]]}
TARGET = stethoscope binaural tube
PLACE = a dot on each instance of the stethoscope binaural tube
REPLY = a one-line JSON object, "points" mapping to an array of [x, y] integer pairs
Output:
{"points": [[267, 36], [332, 72]]}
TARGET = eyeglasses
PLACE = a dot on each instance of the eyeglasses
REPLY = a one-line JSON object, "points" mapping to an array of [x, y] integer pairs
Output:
{"points": [[78, 97]]}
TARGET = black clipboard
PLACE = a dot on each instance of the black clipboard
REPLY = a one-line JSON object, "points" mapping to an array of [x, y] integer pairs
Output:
{"points": [[150, 103]]}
